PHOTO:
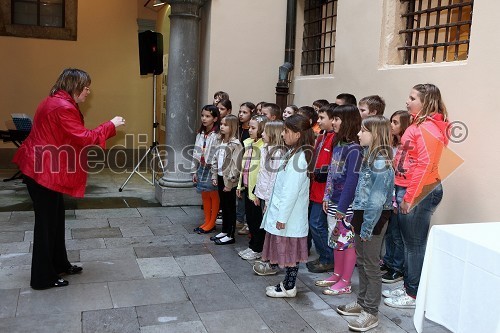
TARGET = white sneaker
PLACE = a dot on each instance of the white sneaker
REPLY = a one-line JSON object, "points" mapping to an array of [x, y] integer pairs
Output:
{"points": [[251, 255], [401, 302], [264, 268], [244, 251], [364, 322], [400, 291]]}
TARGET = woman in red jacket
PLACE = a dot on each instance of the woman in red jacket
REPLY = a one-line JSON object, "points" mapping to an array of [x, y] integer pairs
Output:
{"points": [[53, 161]]}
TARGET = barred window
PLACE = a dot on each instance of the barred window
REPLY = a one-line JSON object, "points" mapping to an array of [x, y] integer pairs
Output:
{"points": [[436, 30], [44, 13], [318, 42]]}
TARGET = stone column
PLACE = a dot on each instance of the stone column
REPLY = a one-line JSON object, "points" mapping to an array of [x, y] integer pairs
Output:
{"points": [[182, 100]]}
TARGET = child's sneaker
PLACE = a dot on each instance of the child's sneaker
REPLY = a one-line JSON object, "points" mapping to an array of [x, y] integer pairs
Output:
{"points": [[239, 224], [244, 230], [400, 291], [351, 309], [364, 322], [401, 302], [244, 251], [251, 255], [264, 268]]}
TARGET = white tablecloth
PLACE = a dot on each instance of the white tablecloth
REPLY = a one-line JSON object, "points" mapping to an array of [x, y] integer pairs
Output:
{"points": [[460, 282]]}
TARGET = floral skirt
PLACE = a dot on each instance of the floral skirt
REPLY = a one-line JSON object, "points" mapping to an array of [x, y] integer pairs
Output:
{"points": [[340, 232], [285, 251]]}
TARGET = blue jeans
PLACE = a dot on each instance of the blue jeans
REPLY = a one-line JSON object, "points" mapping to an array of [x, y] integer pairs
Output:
{"points": [[414, 229], [318, 229], [394, 248]]}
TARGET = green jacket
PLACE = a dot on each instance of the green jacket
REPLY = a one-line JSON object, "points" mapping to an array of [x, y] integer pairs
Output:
{"points": [[254, 165]]}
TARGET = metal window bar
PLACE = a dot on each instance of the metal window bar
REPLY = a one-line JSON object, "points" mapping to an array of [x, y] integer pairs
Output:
{"points": [[39, 4], [423, 22], [318, 47]]}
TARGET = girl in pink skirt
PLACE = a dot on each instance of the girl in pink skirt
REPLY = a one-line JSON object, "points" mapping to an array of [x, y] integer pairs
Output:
{"points": [[285, 219]]}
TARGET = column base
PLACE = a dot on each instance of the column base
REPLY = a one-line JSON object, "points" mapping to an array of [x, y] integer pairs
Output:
{"points": [[177, 196]]}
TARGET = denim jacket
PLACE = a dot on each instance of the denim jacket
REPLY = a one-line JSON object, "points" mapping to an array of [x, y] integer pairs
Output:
{"points": [[373, 193]]}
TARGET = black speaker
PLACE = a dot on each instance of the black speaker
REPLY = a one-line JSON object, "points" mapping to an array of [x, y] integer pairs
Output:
{"points": [[151, 52]]}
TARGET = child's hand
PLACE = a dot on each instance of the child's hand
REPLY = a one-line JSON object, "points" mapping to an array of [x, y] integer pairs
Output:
{"points": [[214, 182], [238, 193], [226, 189], [256, 202], [325, 206], [279, 225], [405, 207], [195, 179], [339, 216]]}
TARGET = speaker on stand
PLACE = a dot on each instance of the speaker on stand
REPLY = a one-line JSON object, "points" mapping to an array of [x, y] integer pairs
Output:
{"points": [[151, 62]]}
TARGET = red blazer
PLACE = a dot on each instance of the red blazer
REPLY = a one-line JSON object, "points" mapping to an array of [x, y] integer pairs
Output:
{"points": [[55, 154]]}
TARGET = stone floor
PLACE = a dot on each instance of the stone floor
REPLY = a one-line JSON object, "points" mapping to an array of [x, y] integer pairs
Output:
{"points": [[146, 271]]}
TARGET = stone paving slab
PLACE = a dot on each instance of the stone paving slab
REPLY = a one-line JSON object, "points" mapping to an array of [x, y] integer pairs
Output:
{"points": [[160, 314], [188, 250], [199, 265], [107, 254], [170, 212], [8, 303], [325, 321], [11, 236], [136, 230], [15, 247], [18, 224], [15, 259], [112, 212], [15, 276], [170, 229], [5, 216], [70, 299], [87, 233], [255, 293], [146, 241], [152, 251], [123, 320], [85, 244], [87, 223], [184, 327], [213, 292], [135, 221], [161, 267], [107, 270], [47, 323], [144, 292], [285, 321], [248, 321]]}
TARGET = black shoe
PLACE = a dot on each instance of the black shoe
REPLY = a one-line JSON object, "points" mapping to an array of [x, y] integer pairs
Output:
{"points": [[202, 231], [219, 242], [320, 268], [74, 270], [392, 276], [312, 263], [214, 238], [197, 229], [58, 283], [384, 268]]}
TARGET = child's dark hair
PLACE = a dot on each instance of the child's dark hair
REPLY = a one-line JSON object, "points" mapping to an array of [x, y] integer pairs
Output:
{"points": [[214, 111], [319, 103], [308, 112], [226, 103], [350, 126], [374, 103], [347, 98], [221, 94], [274, 109], [298, 123], [328, 109], [404, 120]]}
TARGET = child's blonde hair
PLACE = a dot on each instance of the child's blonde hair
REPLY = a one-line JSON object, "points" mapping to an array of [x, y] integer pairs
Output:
{"points": [[380, 128], [432, 102], [273, 131], [261, 120], [232, 122]]}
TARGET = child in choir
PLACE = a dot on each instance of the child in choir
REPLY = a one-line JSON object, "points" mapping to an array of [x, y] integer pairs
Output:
{"points": [[271, 158], [271, 110], [308, 112], [219, 96], [318, 224], [225, 175], [319, 103], [201, 166], [258, 108], [394, 248], [290, 110], [225, 107], [248, 180], [285, 220], [339, 193], [345, 98], [372, 208], [371, 106]]}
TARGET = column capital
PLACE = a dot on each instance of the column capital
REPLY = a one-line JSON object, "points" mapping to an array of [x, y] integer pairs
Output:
{"points": [[185, 6]]}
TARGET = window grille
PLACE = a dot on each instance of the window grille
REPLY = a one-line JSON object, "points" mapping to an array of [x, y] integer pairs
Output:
{"points": [[43, 13], [436, 30], [318, 42]]}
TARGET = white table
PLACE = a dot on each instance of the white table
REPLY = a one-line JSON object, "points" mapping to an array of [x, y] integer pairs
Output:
{"points": [[460, 282]]}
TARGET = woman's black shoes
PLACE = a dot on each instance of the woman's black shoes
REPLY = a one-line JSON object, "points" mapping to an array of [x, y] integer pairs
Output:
{"points": [[202, 231], [61, 283], [197, 229], [74, 270], [214, 238], [220, 242]]}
